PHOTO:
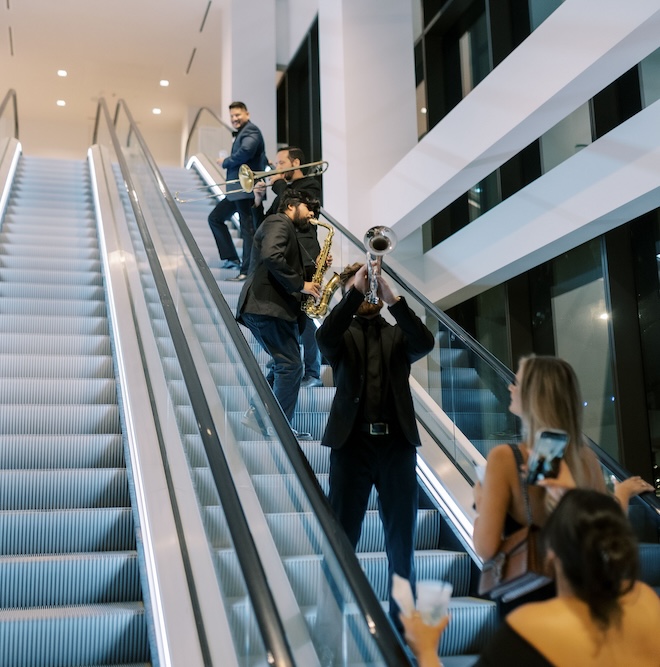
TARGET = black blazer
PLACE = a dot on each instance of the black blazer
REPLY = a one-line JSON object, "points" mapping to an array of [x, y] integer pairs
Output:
{"points": [[276, 272], [341, 341]]}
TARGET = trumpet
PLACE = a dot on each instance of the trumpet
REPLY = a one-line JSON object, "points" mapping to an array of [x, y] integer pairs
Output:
{"points": [[247, 179], [379, 241]]}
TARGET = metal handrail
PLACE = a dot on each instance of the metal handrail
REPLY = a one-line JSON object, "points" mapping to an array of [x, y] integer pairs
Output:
{"points": [[387, 639], [263, 603], [11, 96]]}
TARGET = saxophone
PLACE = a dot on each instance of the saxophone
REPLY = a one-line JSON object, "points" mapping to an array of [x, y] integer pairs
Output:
{"points": [[309, 305]]}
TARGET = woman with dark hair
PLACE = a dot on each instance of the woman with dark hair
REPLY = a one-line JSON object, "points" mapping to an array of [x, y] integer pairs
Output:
{"points": [[601, 616]]}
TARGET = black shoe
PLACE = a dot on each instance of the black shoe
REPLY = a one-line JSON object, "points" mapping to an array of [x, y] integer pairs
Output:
{"points": [[239, 278]]}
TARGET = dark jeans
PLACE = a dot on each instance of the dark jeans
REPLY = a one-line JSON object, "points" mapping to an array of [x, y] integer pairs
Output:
{"points": [[311, 352], [388, 463], [281, 340], [217, 217]]}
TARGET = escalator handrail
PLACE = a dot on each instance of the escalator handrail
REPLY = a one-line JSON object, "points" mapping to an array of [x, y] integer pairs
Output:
{"points": [[193, 127], [267, 615], [10, 97], [388, 641], [477, 348]]}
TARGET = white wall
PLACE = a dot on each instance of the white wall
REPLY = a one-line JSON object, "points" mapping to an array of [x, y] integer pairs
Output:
{"points": [[294, 18]]}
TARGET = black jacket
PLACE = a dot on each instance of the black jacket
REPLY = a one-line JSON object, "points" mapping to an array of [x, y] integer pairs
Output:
{"points": [[341, 341], [276, 272]]}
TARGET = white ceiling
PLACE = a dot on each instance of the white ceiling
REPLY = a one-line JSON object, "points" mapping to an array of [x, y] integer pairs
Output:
{"points": [[110, 48]]}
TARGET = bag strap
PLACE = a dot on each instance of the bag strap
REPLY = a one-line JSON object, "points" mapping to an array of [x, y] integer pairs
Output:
{"points": [[523, 484]]}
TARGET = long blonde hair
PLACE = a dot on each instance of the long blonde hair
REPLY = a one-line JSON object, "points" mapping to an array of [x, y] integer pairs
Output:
{"points": [[550, 397]]}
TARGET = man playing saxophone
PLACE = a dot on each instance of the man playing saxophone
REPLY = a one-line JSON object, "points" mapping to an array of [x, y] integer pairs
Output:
{"points": [[269, 303]]}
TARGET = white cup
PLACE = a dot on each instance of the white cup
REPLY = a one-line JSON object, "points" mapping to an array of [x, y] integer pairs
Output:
{"points": [[433, 600]]}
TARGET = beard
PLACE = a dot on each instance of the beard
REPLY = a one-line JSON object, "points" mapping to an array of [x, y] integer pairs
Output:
{"points": [[367, 309], [301, 223]]}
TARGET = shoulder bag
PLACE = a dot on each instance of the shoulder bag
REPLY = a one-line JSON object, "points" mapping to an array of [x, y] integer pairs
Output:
{"points": [[518, 567]]}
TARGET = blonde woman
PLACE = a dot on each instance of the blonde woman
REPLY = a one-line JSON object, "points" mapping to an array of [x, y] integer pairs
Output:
{"points": [[545, 394]]}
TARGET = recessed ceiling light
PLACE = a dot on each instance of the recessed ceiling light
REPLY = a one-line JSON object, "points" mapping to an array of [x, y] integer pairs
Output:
{"points": [[422, 110], [62, 72], [156, 111], [61, 103], [164, 83]]}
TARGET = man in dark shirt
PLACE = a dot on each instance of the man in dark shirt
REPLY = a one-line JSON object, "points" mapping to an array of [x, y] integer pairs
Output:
{"points": [[372, 428]]}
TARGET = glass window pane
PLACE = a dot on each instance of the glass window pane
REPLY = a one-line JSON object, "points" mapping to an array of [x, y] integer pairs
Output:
{"points": [[649, 73], [582, 337], [566, 138]]}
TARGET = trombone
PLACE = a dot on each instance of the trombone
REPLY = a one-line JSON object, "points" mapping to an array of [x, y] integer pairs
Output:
{"points": [[247, 179]]}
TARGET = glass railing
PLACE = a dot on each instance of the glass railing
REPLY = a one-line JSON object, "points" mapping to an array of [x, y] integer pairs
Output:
{"points": [[9, 116], [210, 135], [461, 389], [10, 148], [256, 624], [350, 621]]}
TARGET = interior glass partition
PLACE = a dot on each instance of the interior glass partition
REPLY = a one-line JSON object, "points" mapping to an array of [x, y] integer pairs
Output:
{"points": [[209, 134]]}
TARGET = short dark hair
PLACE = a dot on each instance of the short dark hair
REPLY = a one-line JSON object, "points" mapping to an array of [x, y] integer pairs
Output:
{"points": [[291, 197], [238, 105], [348, 272], [597, 549], [294, 153]]}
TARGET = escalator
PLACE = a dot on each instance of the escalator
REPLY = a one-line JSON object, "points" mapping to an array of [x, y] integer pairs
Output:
{"points": [[279, 481], [71, 591], [462, 400], [437, 555]]}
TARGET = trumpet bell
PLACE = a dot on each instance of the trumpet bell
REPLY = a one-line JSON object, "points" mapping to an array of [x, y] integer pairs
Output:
{"points": [[380, 240]]}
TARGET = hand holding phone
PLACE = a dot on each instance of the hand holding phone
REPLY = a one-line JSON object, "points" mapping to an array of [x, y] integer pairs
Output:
{"points": [[546, 455]]}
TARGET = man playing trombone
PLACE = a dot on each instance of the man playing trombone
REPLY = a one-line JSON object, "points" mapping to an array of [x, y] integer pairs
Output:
{"points": [[293, 158], [248, 148]]}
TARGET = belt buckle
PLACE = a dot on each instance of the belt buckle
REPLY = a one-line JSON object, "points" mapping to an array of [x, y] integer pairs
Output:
{"points": [[379, 428]]}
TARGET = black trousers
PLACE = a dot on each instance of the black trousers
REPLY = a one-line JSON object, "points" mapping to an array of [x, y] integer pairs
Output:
{"points": [[217, 217], [387, 462]]}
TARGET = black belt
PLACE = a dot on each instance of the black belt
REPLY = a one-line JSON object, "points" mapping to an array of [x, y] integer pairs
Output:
{"points": [[375, 428]]}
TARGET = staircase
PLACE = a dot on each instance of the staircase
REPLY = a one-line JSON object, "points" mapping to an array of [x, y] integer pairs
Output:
{"points": [[473, 620], [70, 590]]}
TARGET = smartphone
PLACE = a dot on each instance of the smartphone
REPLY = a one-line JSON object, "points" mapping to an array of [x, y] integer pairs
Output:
{"points": [[546, 455]]}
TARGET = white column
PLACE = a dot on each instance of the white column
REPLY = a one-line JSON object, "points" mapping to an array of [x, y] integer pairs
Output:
{"points": [[367, 100], [249, 63]]}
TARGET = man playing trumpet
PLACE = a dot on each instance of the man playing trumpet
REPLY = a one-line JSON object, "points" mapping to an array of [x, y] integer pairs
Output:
{"points": [[372, 428]]}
